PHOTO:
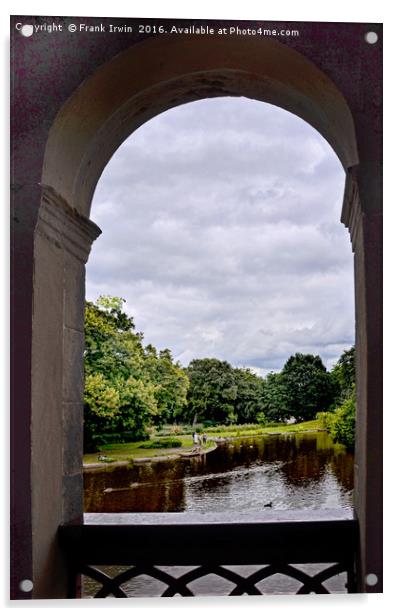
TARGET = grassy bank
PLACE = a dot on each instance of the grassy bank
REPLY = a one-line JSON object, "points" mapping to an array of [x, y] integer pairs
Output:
{"points": [[144, 449], [256, 430]]}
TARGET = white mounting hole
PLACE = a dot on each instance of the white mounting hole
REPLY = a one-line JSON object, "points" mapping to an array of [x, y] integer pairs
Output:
{"points": [[27, 30], [371, 37], [371, 579], [26, 585]]}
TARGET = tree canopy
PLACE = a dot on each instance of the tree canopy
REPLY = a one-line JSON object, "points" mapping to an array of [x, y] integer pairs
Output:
{"points": [[212, 391], [301, 390], [129, 387], [307, 384], [343, 375], [274, 399], [341, 422]]}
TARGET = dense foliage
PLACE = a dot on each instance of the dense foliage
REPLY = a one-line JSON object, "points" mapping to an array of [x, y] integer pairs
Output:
{"points": [[171, 384], [212, 391], [300, 390], [130, 389], [248, 403], [341, 422], [127, 387], [307, 385], [343, 375]]}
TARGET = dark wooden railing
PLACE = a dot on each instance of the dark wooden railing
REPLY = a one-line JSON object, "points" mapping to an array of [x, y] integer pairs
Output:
{"points": [[156, 545]]}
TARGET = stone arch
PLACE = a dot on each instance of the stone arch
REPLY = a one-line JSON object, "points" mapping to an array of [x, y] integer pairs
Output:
{"points": [[164, 72], [122, 94]]}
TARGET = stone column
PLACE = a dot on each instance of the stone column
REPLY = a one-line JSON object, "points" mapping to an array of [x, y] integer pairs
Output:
{"points": [[366, 235], [63, 239]]}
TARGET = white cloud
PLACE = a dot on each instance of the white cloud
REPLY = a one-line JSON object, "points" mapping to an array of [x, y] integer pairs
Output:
{"points": [[221, 230]]}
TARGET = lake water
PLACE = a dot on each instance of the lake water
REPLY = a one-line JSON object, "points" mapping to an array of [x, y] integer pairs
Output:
{"points": [[292, 471]]}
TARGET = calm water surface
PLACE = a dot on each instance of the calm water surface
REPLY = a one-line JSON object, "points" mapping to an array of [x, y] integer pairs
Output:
{"points": [[294, 471]]}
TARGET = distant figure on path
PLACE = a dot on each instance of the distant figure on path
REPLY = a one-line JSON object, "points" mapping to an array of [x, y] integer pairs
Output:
{"points": [[204, 439], [195, 439]]}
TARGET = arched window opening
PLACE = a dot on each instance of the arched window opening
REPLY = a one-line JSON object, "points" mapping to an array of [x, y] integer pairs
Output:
{"points": [[221, 233]]}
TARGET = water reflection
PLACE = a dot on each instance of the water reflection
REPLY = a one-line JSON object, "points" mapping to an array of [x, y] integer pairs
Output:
{"points": [[295, 471]]}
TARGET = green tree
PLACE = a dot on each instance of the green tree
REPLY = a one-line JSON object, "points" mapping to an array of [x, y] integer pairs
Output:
{"points": [[341, 423], [119, 395], [344, 375], [274, 399], [249, 395], [212, 391], [308, 386], [171, 384]]}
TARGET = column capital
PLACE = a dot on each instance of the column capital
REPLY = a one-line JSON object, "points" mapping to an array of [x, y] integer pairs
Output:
{"points": [[64, 226]]}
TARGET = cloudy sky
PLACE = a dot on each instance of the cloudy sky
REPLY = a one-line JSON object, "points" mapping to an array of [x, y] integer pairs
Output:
{"points": [[221, 230]]}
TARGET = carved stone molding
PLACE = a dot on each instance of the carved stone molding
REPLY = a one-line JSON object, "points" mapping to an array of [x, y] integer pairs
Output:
{"points": [[64, 226], [351, 210]]}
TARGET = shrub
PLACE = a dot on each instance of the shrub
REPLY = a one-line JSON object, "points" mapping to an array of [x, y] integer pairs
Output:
{"points": [[115, 438], [341, 423], [325, 419], [161, 444]]}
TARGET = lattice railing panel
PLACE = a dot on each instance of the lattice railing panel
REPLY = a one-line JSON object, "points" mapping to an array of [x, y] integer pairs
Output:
{"points": [[156, 556], [214, 580]]}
